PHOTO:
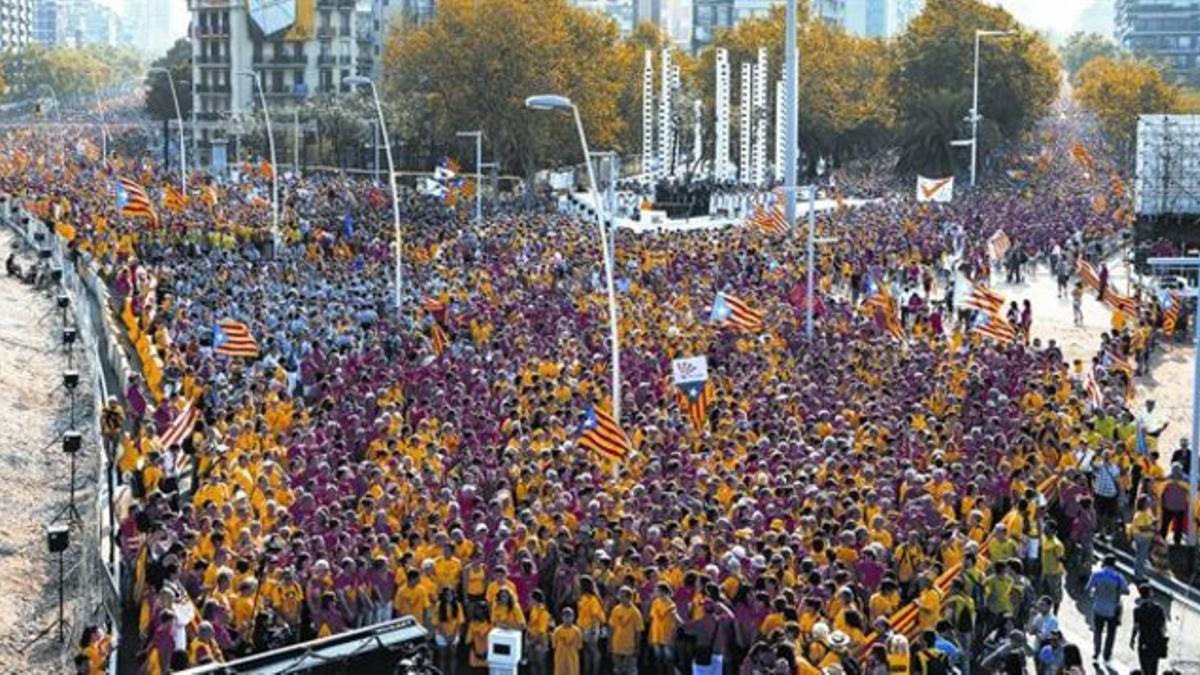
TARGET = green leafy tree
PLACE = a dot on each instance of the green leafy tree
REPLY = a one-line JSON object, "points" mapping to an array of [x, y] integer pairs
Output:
{"points": [[159, 102], [1082, 47], [1018, 75]]}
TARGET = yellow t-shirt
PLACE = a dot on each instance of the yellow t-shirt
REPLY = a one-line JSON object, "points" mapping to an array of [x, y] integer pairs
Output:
{"points": [[625, 622]]}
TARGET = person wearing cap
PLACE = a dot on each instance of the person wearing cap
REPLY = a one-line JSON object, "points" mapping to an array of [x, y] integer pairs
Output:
{"points": [[1106, 587]]}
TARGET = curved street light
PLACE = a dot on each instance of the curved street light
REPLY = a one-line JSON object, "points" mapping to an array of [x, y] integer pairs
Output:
{"points": [[556, 102], [262, 98], [362, 81], [179, 119]]}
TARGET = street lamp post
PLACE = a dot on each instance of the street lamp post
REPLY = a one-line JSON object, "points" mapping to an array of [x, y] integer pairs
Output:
{"points": [[62, 158], [360, 80], [179, 119], [1194, 463], [262, 98], [478, 136], [975, 96], [103, 136], [553, 102]]}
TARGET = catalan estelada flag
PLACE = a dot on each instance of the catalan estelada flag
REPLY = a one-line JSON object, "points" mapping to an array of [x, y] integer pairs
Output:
{"points": [[694, 399], [437, 338], [180, 427], [771, 221], [600, 433], [1087, 274], [728, 310], [133, 202], [995, 327], [881, 307], [985, 299], [174, 200], [1170, 304], [208, 194], [1120, 302], [233, 338]]}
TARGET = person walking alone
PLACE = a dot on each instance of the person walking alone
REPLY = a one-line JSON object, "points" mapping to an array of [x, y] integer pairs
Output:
{"points": [[1106, 587], [1149, 631]]}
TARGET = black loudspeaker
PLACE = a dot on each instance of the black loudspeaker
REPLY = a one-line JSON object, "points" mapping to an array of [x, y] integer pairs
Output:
{"points": [[58, 538], [70, 379], [72, 441], [68, 336], [63, 301]]}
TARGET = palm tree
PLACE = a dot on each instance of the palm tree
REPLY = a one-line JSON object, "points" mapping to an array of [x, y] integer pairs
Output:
{"points": [[926, 133]]}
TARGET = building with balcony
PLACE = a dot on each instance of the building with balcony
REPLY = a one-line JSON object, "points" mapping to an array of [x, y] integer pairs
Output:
{"points": [[1166, 31], [708, 17], [296, 49], [16, 24]]}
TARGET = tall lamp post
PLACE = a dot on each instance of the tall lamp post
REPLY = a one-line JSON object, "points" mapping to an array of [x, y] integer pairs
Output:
{"points": [[554, 102], [975, 96], [357, 81], [62, 158], [103, 136], [478, 136], [179, 120], [1192, 264], [262, 99]]}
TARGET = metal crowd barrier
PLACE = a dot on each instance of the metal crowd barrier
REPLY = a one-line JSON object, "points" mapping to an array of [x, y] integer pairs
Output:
{"points": [[97, 337]]}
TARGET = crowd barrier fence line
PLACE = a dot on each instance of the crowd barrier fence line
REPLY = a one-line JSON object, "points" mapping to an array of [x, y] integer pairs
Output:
{"points": [[100, 563]]}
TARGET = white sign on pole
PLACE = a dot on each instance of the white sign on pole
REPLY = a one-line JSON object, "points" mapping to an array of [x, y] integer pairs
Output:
{"points": [[691, 369], [935, 189]]}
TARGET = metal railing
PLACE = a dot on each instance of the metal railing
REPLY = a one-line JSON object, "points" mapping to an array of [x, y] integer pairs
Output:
{"points": [[100, 566]]}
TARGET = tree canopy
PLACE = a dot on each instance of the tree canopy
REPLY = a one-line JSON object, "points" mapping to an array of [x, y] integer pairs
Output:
{"points": [[72, 73], [473, 66], [159, 101], [1082, 47], [1117, 90], [1018, 73]]}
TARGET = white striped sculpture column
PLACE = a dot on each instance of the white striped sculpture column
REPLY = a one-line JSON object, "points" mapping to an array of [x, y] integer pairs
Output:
{"points": [[746, 105], [780, 129], [648, 113], [721, 151], [666, 125], [761, 118]]}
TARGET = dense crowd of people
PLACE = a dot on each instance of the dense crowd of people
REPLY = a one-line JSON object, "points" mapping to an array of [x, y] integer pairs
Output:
{"points": [[866, 501]]}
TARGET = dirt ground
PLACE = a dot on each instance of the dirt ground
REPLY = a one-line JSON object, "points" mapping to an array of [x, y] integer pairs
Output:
{"points": [[35, 479]]}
